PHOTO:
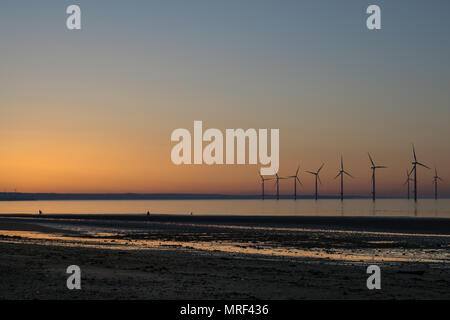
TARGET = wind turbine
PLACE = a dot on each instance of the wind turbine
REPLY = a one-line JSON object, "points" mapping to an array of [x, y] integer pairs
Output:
{"points": [[408, 179], [278, 178], [317, 177], [262, 184], [341, 174], [295, 182], [415, 163], [435, 180], [373, 175]]}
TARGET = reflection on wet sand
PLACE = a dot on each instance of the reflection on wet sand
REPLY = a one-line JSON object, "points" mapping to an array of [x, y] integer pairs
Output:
{"points": [[125, 241]]}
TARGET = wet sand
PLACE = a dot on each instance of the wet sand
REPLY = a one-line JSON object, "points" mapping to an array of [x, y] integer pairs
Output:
{"points": [[218, 257]]}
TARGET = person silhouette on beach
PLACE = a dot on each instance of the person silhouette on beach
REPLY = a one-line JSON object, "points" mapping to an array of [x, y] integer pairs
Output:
{"points": [[40, 212], [148, 213]]}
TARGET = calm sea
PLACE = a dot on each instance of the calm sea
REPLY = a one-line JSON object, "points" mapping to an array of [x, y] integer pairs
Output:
{"points": [[328, 207]]}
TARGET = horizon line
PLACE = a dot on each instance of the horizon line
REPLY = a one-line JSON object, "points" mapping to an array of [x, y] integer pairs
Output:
{"points": [[23, 196]]}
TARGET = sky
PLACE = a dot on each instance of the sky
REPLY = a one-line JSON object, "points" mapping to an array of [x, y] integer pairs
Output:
{"points": [[93, 110]]}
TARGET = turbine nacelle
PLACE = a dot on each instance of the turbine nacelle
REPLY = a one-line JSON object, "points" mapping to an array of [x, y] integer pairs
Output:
{"points": [[317, 172], [296, 176], [415, 162], [342, 171], [436, 177], [414, 169], [264, 179]]}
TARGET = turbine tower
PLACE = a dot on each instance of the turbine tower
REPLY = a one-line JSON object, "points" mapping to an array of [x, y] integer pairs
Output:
{"points": [[373, 175], [295, 182], [341, 174], [415, 163], [262, 184], [435, 180], [316, 174], [408, 180], [278, 178]]}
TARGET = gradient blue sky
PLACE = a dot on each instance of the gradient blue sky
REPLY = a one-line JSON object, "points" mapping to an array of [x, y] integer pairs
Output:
{"points": [[92, 110]]}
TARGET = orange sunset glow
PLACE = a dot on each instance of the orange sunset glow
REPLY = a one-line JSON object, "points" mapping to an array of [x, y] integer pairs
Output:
{"points": [[93, 111]]}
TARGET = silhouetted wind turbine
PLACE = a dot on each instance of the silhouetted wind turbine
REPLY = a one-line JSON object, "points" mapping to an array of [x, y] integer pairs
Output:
{"points": [[408, 179], [278, 178], [262, 184], [341, 173], [435, 180], [415, 163], [373, 175], [317, 176], [295, 182]]}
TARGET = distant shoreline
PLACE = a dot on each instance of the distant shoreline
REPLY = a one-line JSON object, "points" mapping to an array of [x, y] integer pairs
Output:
{"points": [[17, 196]]}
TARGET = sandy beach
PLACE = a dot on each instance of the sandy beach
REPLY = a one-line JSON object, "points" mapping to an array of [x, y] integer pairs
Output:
{"points": [[223, 257]]}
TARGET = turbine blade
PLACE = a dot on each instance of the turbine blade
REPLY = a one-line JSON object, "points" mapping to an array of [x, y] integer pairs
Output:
{"points": [[338, 175], [311, 172], [320, 167], [414, 152], [421, 164], [371, 160], [342, 163], [380, 167], [296, 172], [348, 174], [318, 177], [299, 181]]}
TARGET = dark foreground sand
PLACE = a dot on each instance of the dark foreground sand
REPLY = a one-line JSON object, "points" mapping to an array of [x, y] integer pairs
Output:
{"points": [[166, 257]]}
